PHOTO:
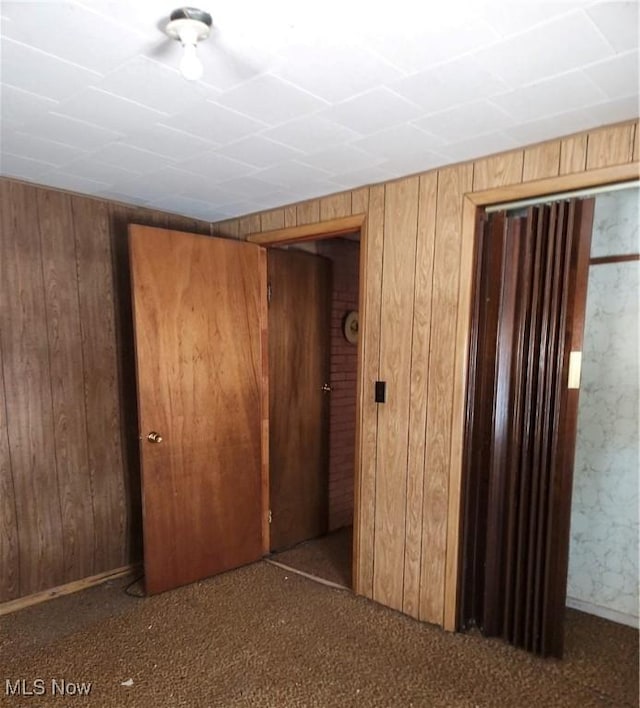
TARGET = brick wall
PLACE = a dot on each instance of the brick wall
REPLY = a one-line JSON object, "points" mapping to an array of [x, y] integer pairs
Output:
{"points": [[344, 364]]}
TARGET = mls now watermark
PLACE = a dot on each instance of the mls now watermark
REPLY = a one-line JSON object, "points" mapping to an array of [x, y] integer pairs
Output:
{"points": [[43, 687]]}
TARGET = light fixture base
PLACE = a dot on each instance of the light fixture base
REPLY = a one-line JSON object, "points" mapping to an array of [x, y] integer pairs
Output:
{"points": [[189, 20]]}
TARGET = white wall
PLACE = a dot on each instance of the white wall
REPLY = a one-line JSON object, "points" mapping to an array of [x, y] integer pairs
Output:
{"points": [[603, 562]]}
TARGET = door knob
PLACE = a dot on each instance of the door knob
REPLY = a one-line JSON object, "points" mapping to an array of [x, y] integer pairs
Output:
{"points": [[154, 437], [326, 388]]}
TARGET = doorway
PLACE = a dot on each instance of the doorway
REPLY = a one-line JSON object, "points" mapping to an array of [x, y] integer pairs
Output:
{"points": [[314, 293], [524, 379]]}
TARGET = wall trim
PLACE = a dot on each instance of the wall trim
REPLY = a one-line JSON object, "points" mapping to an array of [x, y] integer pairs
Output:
{"points": [[67, 589], [605, 612], [472, 201], [309, 232]]}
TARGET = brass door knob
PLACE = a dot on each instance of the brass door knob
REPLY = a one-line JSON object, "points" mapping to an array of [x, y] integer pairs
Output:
{"points": [[154, 437], [326, 388]]}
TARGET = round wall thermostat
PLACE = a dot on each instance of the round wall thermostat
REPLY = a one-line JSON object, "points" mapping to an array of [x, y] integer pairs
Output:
{"points": [[350, 327]]}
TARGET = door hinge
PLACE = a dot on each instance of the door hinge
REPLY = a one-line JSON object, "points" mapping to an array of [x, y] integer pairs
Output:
{"points": [[269, 293], [270, 516]]}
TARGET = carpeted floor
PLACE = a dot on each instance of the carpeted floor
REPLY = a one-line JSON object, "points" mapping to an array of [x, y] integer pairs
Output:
{"points": [[328, 557], [260, 636]]}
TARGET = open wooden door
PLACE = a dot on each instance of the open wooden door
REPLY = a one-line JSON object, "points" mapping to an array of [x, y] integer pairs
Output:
{"points": [[199, 314], [299, 391]]}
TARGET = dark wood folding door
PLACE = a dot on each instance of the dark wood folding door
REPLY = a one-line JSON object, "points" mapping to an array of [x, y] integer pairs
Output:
{"points": [[529, 302]]}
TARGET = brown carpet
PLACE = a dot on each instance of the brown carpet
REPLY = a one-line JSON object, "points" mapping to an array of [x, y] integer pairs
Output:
{"points": [[260, 636], [328, 557]]}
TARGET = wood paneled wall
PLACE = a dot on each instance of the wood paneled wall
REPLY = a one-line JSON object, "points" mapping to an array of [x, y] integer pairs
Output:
{"points": [[69, 473], [414, 269]]}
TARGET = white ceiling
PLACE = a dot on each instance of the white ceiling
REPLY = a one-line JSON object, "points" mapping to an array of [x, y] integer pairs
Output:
{"points": [[298, 99]]}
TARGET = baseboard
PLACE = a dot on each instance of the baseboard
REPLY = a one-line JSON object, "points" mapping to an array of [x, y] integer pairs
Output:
{"points": [[604, 612], [66, 589]]}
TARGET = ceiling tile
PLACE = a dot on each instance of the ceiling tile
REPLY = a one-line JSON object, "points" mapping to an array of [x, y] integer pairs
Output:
{"points": [[155, 85], [169, 142], [90, 168], [131, 158], [37, 148], [333, 70], [358, 178], [480, 146], [291, 174], [270, 99], [614, 111], [618, 22], [64, 129], [548, 128], [109, 111], [617, 77], [214, 123], [465, 121], [259, 151], [62, 180], [449, 85], [216, 167], [71, 32], [557, 95], [341, 159], [34, 71], [412, 164], [400, 141], [517, 17], [375, 110], [22, 167], [420, 44], [311, 133], [558, 46], [183, 205], [157, 184], [248, 188], [17, 106]]}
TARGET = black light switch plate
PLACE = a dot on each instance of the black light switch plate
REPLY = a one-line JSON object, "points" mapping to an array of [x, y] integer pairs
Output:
{"points": [[381, 391]]}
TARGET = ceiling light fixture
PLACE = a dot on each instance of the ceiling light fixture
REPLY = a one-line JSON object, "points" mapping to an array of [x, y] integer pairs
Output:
{"points": [[188, 25]]}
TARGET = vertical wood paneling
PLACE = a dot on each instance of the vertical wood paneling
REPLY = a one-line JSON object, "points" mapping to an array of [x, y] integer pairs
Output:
{"points": [[248, 225], [497, 171], [95, 286], [573, 154], [421, 337], [9, 546], [360, 200], [610, 146], [371, 289], [335, 206], [227, 229], [270, 220], [401, 224], [67, 375], [453, 183], [541, 161], [459, 417], [290, 217], [27, 384], [308, 212]]}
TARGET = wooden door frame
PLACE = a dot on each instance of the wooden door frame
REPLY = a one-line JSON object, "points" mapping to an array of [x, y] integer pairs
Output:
{"points": [[321, 230], [472, 201]]}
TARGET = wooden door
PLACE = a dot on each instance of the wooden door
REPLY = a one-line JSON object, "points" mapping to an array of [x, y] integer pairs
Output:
{"points": [[199, 310], [299, 357]]}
